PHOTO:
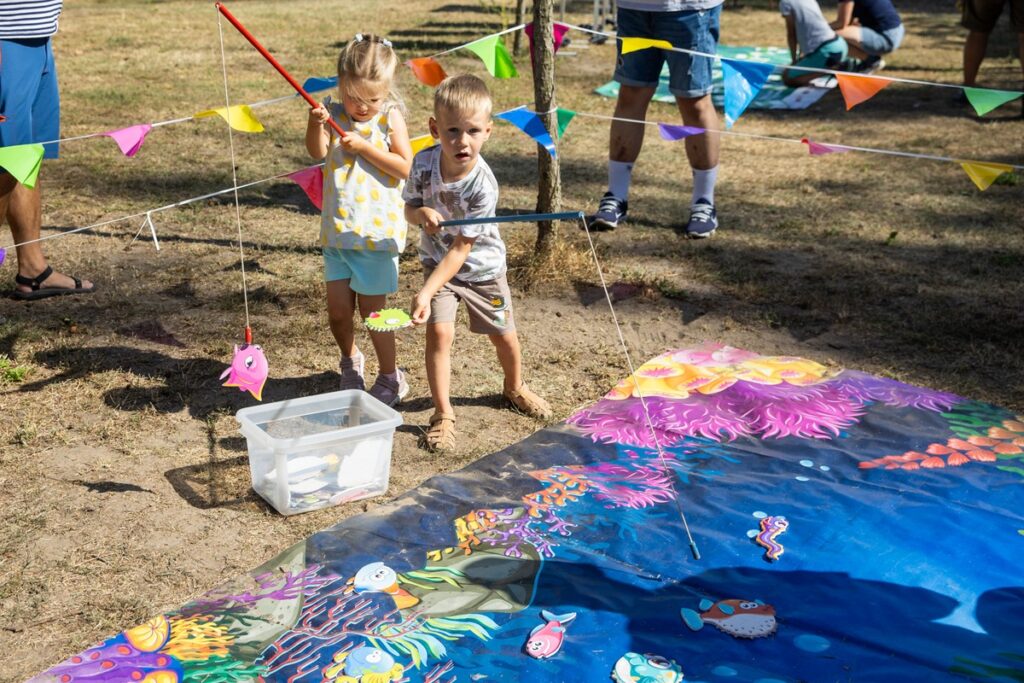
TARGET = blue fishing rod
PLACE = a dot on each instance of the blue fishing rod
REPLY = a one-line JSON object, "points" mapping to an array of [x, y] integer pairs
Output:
{"points": [[517, 218]]}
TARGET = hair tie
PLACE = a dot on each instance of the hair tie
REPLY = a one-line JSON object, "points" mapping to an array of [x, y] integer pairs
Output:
{"points": [[359, 38]]}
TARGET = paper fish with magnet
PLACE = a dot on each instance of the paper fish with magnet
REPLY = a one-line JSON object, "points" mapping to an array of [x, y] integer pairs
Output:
{"points": [[633, 667], [737, 618], [388, 320], [248, 370], [363, 664], [546, 640]]}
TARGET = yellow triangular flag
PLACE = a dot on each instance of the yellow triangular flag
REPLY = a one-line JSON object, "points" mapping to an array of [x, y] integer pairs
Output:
{"points": [[984, 174], [634, 44], [421, 142], [241, 118]]}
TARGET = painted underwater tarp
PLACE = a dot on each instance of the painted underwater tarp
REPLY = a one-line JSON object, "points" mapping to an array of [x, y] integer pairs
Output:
{"points": [[851, 528]]}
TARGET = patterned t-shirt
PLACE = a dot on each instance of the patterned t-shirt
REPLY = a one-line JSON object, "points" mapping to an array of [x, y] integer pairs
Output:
{"points": [[476, 195], [363, 206]]}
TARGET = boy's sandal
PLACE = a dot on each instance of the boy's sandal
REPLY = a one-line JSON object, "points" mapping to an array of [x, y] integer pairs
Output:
{"points": [[441, 434], [529, 403], [40, 292]]}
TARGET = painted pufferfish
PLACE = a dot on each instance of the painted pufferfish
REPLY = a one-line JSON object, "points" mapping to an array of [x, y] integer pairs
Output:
{"points": [[363, 665], [738, 618], [633, 667]]}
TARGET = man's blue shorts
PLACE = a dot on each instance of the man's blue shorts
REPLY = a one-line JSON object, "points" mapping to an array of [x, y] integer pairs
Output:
{"points": [[689, 76], [28, 94]]}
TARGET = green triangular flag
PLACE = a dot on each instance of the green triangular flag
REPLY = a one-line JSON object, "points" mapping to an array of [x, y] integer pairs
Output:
{"points": [[495, 57], [22, 162], [985, 101], [564, 117]]}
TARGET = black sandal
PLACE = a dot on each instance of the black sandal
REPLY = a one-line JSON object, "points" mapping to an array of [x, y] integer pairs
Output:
{"points": [[40, 292]]}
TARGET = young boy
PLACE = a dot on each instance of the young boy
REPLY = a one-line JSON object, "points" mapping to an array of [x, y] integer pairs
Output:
{"points": [[464, 263], [812, 42]]}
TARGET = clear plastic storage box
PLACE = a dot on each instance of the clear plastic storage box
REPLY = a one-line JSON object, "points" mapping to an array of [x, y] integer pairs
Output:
{"points": [[308, 453]]}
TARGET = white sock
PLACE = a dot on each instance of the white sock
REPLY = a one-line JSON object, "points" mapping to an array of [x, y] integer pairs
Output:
{"points": [[619, 175], [704, 184]]}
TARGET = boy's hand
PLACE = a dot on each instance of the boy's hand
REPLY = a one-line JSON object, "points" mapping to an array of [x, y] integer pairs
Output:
{"points": [[430, 220], [318, 115], [420, 308]]}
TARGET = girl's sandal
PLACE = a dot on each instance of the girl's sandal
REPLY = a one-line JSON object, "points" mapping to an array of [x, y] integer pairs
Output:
{"points": [[441, 434]]}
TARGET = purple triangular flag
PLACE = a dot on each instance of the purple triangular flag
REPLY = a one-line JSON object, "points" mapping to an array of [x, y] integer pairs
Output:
{"points": [[311, 180], [672, 133], [130, 139], [818, 149]]}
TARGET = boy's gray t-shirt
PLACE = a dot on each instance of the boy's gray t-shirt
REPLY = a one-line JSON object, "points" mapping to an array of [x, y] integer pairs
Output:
{"points": [[812, 29], [476, 195]]}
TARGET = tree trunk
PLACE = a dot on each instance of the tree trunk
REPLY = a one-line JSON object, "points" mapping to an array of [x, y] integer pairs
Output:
{"points": [[517, 46], [549, 188]]}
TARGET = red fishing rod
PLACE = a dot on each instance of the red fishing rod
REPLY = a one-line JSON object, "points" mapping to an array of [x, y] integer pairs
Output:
{"points": [[274, 63]]}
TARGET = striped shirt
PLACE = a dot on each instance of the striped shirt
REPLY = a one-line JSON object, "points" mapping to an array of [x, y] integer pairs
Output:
{"points": [[29, 18]]}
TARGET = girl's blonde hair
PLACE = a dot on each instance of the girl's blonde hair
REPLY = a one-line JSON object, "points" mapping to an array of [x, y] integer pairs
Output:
{"points": [[367, 66]]}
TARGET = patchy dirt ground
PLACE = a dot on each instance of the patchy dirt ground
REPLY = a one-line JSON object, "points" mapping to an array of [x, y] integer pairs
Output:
{"points": [[125, 481]]}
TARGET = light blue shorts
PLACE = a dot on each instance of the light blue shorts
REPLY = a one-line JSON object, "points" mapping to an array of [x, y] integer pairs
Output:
{"points": [[28, 94], [689, 75], [368, 272], [880, 43]]}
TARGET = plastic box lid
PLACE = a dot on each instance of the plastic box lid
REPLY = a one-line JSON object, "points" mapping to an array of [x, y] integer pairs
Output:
{"points": [[313, 420]]}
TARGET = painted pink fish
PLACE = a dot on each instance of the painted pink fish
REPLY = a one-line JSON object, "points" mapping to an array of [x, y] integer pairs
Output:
{"points": [[545, 641], [248, 370]]}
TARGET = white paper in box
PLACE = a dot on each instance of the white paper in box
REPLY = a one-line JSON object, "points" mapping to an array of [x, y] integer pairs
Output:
{"points": [[311, 452]]}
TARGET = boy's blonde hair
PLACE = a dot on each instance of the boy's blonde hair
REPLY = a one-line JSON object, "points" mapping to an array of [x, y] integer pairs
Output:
{"points": [[366, 66], [462, 94]]}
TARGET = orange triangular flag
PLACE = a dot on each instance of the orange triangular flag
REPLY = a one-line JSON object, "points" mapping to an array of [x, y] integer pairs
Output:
{"points": [[984, 174], [427, 71], [857, 89]]}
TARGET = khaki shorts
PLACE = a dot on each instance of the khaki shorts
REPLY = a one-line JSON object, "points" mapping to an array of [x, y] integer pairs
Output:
{"points": [[982, 15], [488, 303]]}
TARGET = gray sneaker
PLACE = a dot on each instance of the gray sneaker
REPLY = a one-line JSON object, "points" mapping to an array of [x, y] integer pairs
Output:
{"points": [[352, 372], [390, 391]]}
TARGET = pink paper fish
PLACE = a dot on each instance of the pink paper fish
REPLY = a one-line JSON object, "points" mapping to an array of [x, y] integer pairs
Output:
{"points": [[248, 370], [545, 641]]}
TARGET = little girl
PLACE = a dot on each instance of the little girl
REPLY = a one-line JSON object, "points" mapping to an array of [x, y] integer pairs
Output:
{"points": [[362, 227]]}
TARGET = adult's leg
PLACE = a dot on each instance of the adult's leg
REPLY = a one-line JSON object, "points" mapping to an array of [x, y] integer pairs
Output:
{"points": [[626, 138], [851, 34], [974, 54]]}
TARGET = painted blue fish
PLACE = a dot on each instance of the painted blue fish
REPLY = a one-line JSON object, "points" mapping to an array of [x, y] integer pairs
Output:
{"points": [[738, 618], [637, 668]]}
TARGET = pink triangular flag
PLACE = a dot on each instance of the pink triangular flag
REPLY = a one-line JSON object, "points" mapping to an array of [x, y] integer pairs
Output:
{"points": [[558, 31], [130, 139], [818, 149], [312, 181]]}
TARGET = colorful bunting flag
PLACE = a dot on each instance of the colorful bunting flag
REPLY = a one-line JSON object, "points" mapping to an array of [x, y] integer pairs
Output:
{"points": [[3, 255], [531, 124], [495, 57], [558, 31], [315, 84], [427, 71], [311, 180], [130, 139], [857, 89], [743, 80], [421, 142], [241, 118], [985, 101], [564, 117], [634, 44], [22, 162], [984, 174], [672, 133], [818, 149]]}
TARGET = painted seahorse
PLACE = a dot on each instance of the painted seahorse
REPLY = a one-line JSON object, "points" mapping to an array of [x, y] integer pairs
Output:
{"points": [[771, 528]]}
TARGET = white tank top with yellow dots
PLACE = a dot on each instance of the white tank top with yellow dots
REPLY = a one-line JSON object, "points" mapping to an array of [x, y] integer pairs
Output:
{"points": [[363, 207]]}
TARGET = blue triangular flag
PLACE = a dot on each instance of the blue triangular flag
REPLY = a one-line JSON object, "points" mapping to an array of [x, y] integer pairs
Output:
{"points": [[314, 84], [528, 122], [743, 80]]}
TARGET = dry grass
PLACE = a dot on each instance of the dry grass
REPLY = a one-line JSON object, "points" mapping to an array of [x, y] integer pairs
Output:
{"points": [[126, 482]]}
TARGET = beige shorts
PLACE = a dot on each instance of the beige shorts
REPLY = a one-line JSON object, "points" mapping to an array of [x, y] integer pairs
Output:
{"points": [[488, 303]]}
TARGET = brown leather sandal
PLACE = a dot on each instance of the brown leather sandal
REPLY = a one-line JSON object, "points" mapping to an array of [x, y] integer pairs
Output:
{"points": [[441, 434], [528, 403]]}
